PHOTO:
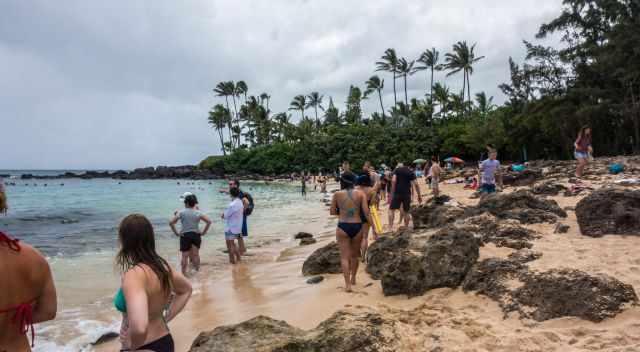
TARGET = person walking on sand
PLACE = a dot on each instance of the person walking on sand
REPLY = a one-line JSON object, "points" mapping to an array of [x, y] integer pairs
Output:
{"points": [[233, 225], [148, 284], [490, 170], [583, 149], [435, 172], [28, 294], [402, 183], [190, 235], [349, 204], [364, 183]]}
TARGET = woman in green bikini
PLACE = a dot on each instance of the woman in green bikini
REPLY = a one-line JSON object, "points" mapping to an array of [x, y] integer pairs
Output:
{"points": [[148, 284]]}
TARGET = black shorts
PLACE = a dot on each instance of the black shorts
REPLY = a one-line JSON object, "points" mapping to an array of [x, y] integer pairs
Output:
{"points": [[404, 199], [188, 239]]}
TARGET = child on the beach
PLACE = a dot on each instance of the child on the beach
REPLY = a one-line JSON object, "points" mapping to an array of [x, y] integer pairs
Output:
{"points": [[489, 169], [435, 172], [233, 224]]}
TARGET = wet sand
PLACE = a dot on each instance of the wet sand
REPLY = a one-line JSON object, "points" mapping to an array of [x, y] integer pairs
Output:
{"points": [[270, 283]]}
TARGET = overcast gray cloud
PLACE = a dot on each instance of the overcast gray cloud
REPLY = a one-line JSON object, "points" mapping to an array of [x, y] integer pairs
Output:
{"points": [[120, 84]]}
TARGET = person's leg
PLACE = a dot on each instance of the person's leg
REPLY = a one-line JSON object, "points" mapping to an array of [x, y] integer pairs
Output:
{"points": [[392, 215], [365, 240], [184, 262], [353, 260], [406, 206], [345, 256], [245, 232], [231, 248], [194, 257]]}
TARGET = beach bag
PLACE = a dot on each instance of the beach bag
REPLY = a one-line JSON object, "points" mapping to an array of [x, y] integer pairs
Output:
{"points": [[616, 168], [518, 168]]}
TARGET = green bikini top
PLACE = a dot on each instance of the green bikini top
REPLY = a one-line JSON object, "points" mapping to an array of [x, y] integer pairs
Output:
{"points": [[120, 302]]}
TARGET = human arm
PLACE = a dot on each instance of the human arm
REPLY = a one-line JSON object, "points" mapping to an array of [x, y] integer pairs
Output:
{"points": [[207, 222], [499, 176], [333, 210], [394, 180], [182, 289], [415, 186], [364, 206], [173, 222], [46, 304]]}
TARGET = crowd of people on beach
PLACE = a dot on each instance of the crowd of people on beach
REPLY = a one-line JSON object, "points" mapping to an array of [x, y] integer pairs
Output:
{"points": [[152, 293]]}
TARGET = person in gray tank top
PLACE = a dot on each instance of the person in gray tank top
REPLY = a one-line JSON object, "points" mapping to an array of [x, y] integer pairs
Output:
{"points": [[190, 235]]}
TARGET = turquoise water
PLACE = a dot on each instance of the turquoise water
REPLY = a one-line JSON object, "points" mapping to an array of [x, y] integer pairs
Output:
{"points": [[74, 223]]}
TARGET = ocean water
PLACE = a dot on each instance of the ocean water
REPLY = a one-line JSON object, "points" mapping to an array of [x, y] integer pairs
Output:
{"points": [[74, 224]]}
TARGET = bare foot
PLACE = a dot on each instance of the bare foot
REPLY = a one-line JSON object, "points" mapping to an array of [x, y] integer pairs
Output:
{"points": [[353, 280], [348, 289]]}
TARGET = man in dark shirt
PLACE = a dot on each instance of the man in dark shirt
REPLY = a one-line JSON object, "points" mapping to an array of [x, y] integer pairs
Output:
{"points": [[401, 184]]}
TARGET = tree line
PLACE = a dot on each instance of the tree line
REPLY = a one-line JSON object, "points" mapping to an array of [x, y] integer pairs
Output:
{"points": [[592, 78]]}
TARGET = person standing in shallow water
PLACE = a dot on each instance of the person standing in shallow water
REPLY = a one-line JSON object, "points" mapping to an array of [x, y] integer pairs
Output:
{"points": [[190, 235], [233, 225], [303, 185], [349, 204], [148, 283], [583, 149]]}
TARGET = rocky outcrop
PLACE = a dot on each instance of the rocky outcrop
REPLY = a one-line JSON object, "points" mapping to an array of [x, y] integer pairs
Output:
{"points": [[412, 264], [160, 172], [307, 241], [363, 329], [609, 211], [324, 260], [301, 235], [523, 178], [521, 205], [551, 294], [435, 214], [548, 189], [506, 233]]}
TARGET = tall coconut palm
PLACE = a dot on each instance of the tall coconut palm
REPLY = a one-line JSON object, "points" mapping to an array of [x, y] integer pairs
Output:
{"points": [[242, 89], [428, 60], [389, 63], [315, 101], [405, 68], [442, 96], [376, 84], [263, 97], [462, 59], [299, 102], [224, 89], [485, 105], [217, 119]]}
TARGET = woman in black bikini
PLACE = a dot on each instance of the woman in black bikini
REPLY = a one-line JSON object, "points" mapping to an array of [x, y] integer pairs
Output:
{"points": [[349, 204]]}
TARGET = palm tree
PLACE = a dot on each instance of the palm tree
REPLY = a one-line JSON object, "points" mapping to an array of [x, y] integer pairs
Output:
{"points": [[263, 97], [217, 120], [405, 68], [485, 105], [299, 102], [224, 89], [242, 89], [441, 95], [315, 101], [389, 63], [376, 84], [462, 59], [429, 60]]}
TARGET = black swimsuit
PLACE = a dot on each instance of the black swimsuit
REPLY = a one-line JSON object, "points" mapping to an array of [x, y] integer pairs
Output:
{"points": [[163, 344]]}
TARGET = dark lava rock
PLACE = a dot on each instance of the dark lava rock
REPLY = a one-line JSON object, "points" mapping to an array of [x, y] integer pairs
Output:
{"points": [[501, 233], [548, 188], [561, 228], [489, 277], [324, 260], [384, 250], [442, 262], [301, 235], [521, 205], [609, 211], [523, 178], [106, 337], [434, 215], [315, 280], [307, 241], [524, 256], [565, 292], [364, 330]]}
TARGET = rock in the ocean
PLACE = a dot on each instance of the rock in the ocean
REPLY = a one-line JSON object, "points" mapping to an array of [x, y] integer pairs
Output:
{"points": [[307, 241], [443, 261], [363, 330], [609, 211], [520, 205], [565, 292], [315, 280], [434, 215], [324, 260], [301, 235]]}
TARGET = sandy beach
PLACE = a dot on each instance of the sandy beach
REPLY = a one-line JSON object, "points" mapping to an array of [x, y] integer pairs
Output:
{"points": [[270, 283]]}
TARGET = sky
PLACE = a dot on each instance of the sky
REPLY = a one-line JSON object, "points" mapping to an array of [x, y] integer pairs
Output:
{"points": [[124, 84]]}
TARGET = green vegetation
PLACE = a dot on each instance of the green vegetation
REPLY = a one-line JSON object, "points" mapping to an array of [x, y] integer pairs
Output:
{"points": [[593, 78]]}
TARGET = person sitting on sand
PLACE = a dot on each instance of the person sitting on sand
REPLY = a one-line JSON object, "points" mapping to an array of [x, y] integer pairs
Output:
{"points": [[28, 294], [349, 204], [190, 235], [490, 170], [583, 149], [233, 225], [148, 283], [435, 172]]}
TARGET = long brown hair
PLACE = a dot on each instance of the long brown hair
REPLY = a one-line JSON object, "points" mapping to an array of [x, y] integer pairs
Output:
{"points": [[138, 246], [582, 132]]}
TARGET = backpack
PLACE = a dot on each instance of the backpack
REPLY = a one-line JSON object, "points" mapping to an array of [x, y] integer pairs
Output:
{"points": [[249, 209], [616, 168]]}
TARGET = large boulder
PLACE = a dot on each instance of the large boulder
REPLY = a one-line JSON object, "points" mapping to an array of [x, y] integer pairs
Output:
{"points": [[490, 277], [385, 249], [363, 329], [520, 205], [505, 233], [434, 215], [522, 178], [548, 188], [415, 267], [609, 211], [324, 260]]}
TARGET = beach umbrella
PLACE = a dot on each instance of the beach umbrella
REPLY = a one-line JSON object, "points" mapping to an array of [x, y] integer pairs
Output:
{"points": [[419, 161], [454, 160]]}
